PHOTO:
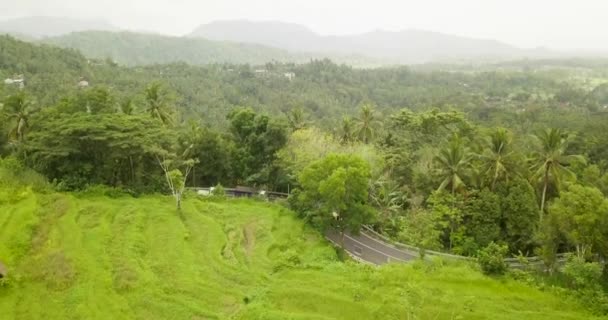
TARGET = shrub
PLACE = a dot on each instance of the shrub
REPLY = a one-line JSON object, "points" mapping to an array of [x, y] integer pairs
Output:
{"points": [[581, 274], [218, 191], [492, 259]]}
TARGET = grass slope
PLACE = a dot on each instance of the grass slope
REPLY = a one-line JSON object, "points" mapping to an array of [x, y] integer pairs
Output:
{"points": [[91, 257]]}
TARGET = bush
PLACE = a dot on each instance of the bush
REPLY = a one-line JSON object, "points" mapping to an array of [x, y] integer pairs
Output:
{"points": [[103, 190], [581, 274], [492, 259], [218, 191]]}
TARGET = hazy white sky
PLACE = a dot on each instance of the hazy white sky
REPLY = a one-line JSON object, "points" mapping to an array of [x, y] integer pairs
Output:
{"points": [[564, 24]]}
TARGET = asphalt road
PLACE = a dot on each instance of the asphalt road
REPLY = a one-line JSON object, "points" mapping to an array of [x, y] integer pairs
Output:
{"points": [[370, 250]]}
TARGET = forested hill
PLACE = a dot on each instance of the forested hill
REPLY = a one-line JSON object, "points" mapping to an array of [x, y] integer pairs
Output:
{"points": [[37, 27], [323, 90], [129, 48], [406, 46], [141, 49]]}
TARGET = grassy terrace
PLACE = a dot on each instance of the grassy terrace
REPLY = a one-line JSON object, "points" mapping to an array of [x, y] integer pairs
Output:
{"points": [[94, 257]]}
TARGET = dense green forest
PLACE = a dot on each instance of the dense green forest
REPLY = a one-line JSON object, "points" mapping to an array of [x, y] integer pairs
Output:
{"points": [[506, 161]]}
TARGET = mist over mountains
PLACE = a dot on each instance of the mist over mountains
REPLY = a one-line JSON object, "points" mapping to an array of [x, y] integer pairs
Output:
{"points": [[408, 46], [38, 27], [221, 41]]}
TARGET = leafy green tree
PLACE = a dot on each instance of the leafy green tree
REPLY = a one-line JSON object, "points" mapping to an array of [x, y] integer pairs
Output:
{"points": [[81, 149], [448, 208], [581, 214], [519, 214], [421, 228], [257, 138], [176, 173], [551, 161], [334, 193], [483, 217]]}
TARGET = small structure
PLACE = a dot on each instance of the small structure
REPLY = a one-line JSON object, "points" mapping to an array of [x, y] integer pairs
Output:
{"points": [[289, 75], [16, 80], [83, 83], [260, 72], [3, 271]]}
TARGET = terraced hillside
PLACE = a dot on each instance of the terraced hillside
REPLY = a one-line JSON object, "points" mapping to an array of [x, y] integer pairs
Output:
{"points": [[94, 257]]}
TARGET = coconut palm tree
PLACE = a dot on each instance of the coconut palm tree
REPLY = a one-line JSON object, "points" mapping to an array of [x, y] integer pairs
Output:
{"points": [[497, 159], [550, 161], [17, 110], [156, 103], [296, 119], [453, 163], [365, 124], [345, 134]]}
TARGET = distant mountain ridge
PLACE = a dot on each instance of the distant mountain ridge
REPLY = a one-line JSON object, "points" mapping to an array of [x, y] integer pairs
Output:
{"points": [[129, 48], [408, 46], [241, 41], [41, 26]]}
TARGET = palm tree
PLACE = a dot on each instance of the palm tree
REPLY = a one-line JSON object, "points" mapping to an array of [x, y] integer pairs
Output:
{"points": [[345, 134], [296, 119], [365, 124], [497, 158], [453, 163], [551, 161], [17, 110], [156, 103]]}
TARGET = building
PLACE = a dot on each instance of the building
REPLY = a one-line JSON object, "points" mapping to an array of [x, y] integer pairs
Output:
{"points": [[83, 83], [17, 81], [289, 75]]}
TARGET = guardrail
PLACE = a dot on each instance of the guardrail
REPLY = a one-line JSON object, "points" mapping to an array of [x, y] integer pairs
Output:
{"points": [[242, 192], [515, 263]]}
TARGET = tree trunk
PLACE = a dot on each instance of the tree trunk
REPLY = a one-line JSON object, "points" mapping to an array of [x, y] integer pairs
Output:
{"points": [[178, 200], [544, 196]]}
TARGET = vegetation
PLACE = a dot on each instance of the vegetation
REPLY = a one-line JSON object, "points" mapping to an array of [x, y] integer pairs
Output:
{"points": [[485, 164], [96, 257]]}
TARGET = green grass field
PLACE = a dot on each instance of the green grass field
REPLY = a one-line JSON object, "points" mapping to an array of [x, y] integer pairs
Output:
{"points": [[90, 257]]}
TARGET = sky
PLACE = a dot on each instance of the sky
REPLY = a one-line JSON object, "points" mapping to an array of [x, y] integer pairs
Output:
{"points": [[557, 24]]}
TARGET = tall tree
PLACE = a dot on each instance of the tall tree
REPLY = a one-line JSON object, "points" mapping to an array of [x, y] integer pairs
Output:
{"points": [[551, 161], [453, 163], [334, 193], [581, 214], [157, 103], [346, 134], [17, 110], [497, 158], [366, 124], [296, 119]]}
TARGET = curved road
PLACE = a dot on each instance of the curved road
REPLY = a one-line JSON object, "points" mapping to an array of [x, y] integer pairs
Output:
{"points": [[367, 249], [370, 247]]}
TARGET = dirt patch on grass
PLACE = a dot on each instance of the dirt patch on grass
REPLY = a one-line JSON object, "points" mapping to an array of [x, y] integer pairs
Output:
{"points": [[54, 269], [249, 238], [50, 211]]}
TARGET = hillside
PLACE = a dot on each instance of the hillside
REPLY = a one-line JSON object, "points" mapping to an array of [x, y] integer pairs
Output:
{"points": [[94, 257], [141, 49], [407, 46], [38, 27]]}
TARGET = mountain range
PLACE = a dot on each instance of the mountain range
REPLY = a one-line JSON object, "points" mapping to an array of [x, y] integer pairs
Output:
{"points": [[407, 46], [38, 27], [241, 41]]}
